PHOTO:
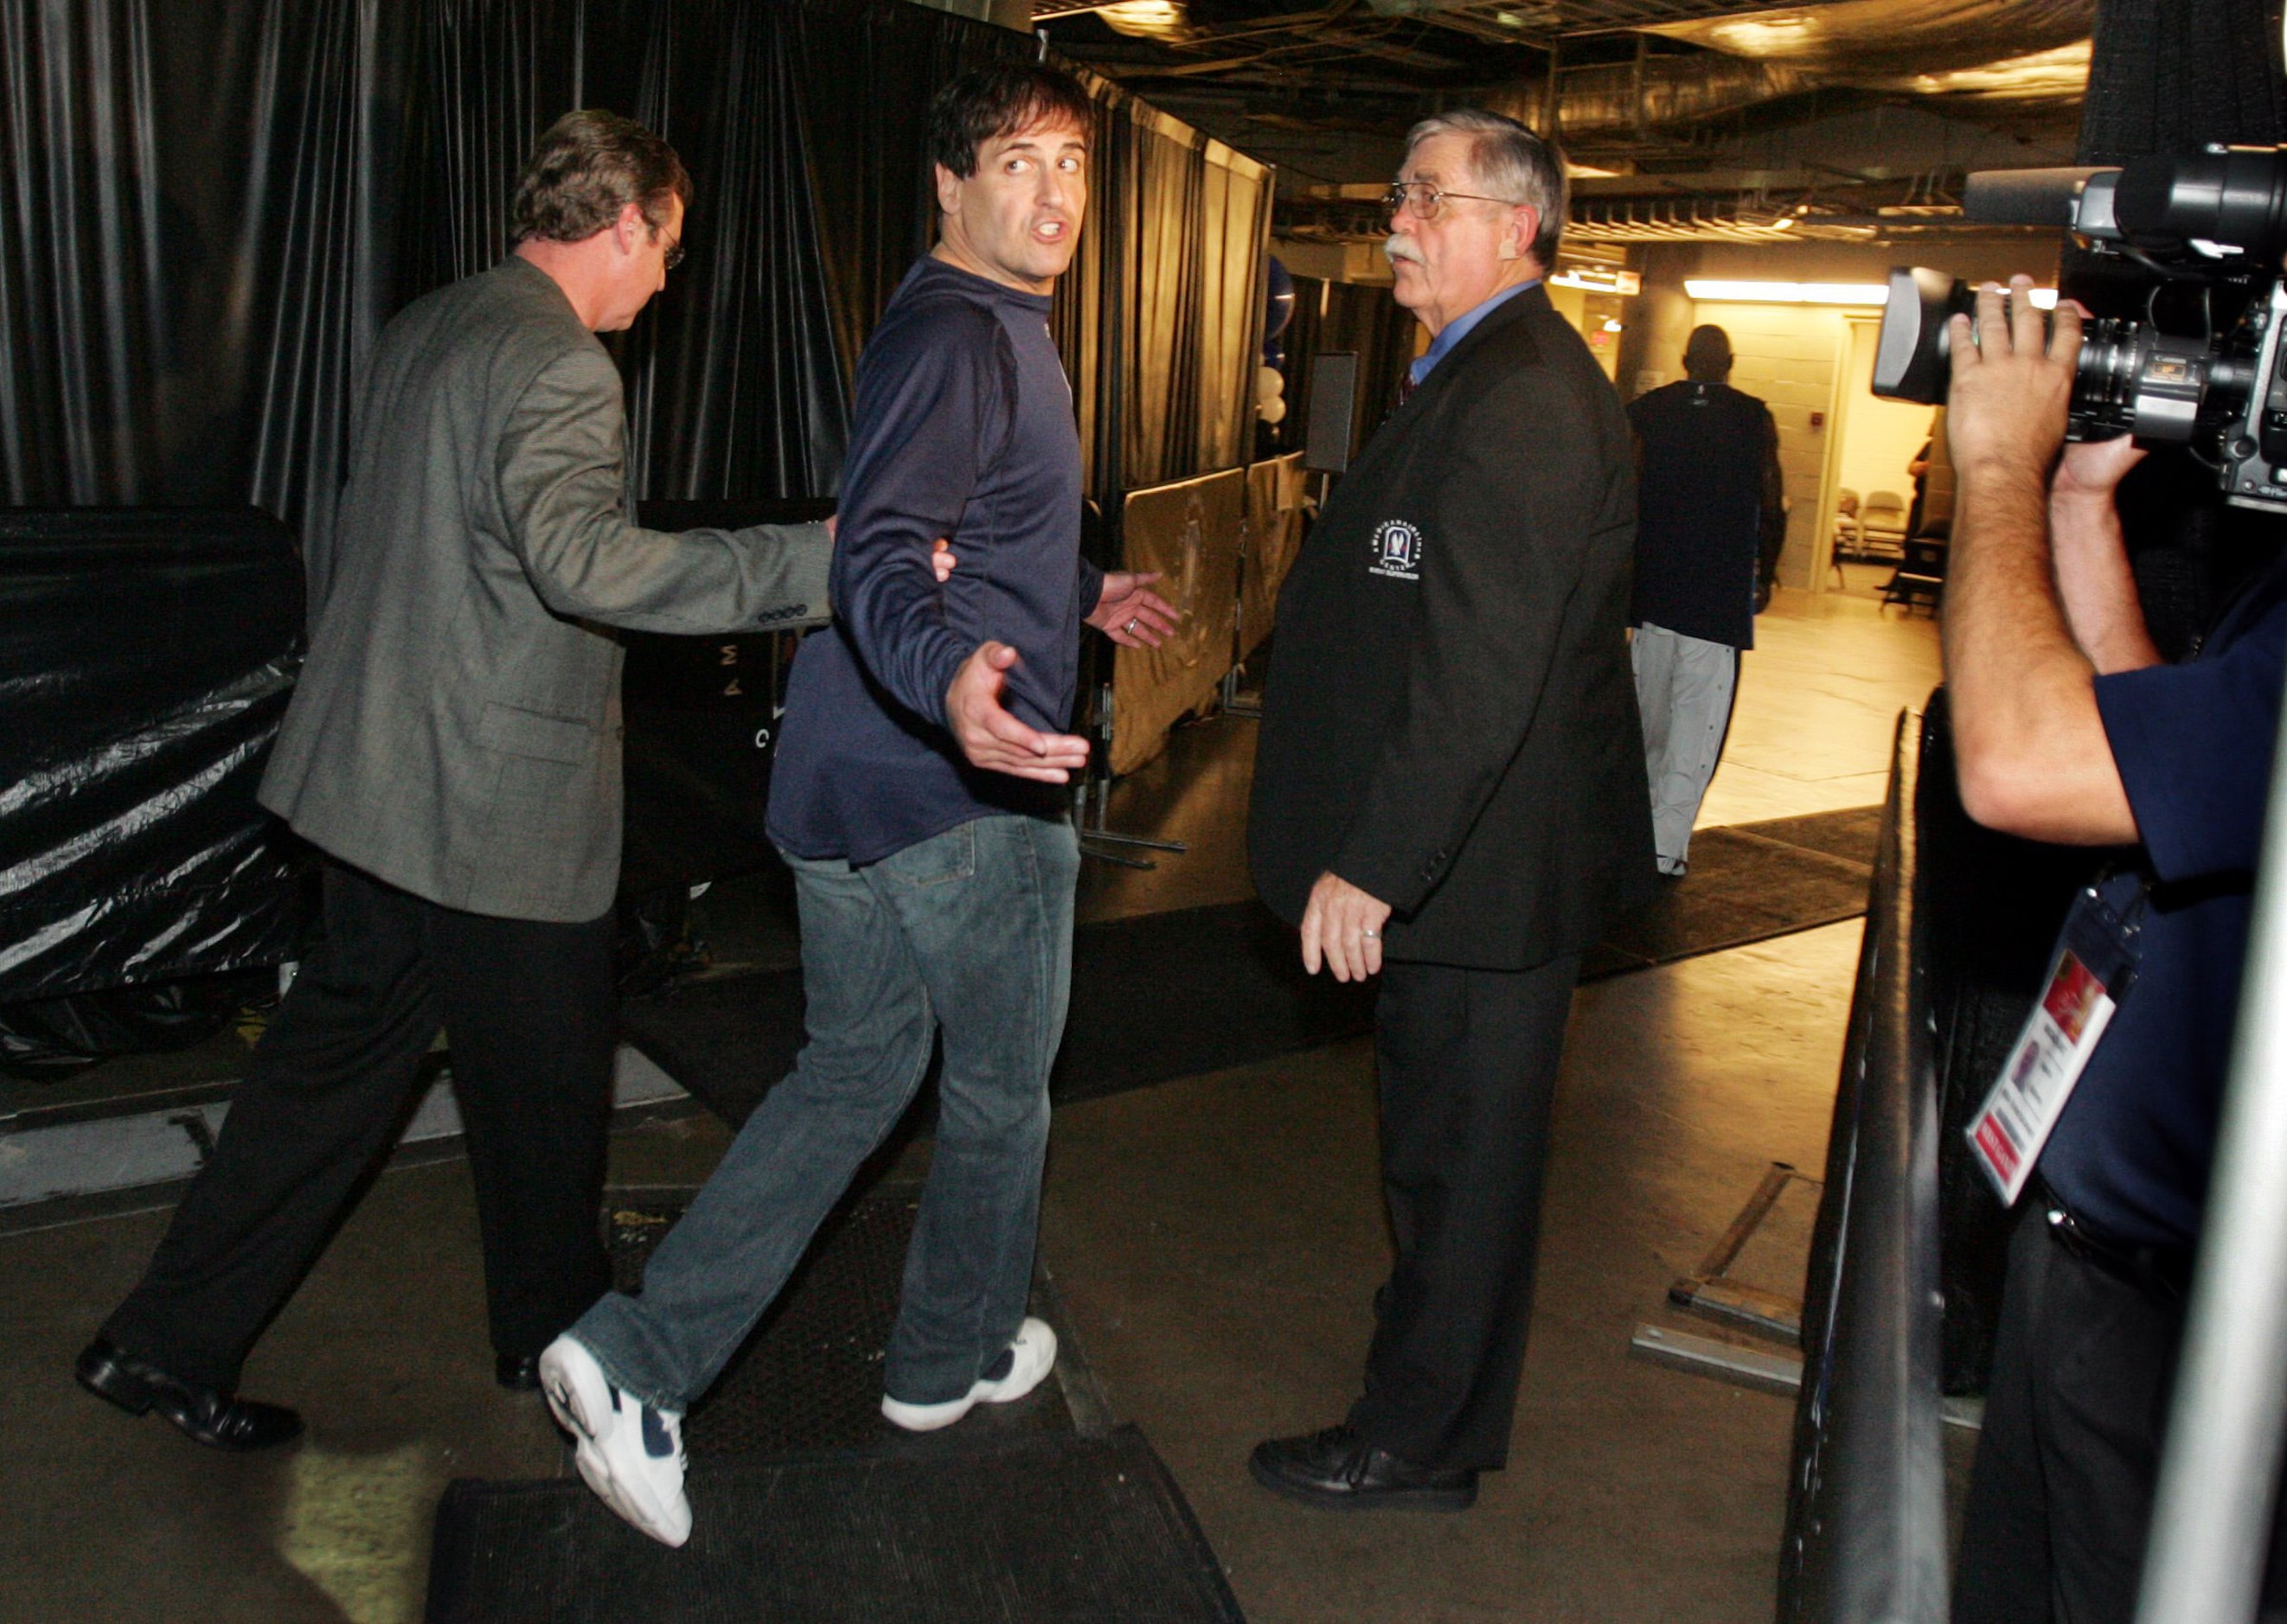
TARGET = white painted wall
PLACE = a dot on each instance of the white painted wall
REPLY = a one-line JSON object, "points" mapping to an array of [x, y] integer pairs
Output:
{"points": [[1787, 355], [1878, 436]]}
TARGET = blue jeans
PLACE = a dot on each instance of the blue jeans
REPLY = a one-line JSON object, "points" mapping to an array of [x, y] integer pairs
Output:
{"points": [[968, 933]]}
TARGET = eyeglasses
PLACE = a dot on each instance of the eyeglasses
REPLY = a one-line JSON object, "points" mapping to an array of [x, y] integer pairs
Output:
{"points": [[1425, 199], [674, 255]]}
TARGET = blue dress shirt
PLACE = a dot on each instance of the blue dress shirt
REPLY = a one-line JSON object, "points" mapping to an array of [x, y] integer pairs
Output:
{"points": [[1458, 329]]}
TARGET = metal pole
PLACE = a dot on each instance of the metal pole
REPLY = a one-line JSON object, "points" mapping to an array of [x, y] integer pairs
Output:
{"points": [[2212, 1520]]}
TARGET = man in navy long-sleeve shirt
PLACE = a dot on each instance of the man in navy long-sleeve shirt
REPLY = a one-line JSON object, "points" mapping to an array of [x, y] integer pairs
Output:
{"points": [[915, 798]]}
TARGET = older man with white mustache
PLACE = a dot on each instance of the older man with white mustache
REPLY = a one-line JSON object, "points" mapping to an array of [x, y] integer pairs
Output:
{"points": [[1450, 792]]}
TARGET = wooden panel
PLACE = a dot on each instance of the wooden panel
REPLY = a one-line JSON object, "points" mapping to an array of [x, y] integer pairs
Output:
{"points": [[1189, 531]]}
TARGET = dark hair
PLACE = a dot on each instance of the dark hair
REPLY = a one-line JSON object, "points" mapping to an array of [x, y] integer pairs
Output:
{"points": [[590, 165], [1001, 100], [1707, 354]]}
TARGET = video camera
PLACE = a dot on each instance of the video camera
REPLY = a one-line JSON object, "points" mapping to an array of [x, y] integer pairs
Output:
{"points": [[2213, 227]]}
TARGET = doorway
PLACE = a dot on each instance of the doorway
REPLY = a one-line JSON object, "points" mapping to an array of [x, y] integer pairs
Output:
{"points": [[1869, 453]]}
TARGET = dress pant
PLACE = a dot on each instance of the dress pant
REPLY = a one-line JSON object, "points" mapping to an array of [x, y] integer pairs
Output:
{"points": [[965, 936], [2075, 1415], [1684, 689], [1467, 1063], [529, 1010]]}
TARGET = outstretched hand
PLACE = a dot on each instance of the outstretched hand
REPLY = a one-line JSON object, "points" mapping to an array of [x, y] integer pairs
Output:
{"points": [[1132, 615], [991, 737]]}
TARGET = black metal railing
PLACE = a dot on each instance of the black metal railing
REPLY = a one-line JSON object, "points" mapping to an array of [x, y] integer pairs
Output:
{"points": [[1865, 1530]]}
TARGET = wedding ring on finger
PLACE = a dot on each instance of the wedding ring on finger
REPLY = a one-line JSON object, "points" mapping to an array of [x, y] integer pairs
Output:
{"points": [[1131, 628], [1371, 935]]}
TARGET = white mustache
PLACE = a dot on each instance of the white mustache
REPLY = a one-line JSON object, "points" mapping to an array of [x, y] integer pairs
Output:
{"points": [[1399, 246]]}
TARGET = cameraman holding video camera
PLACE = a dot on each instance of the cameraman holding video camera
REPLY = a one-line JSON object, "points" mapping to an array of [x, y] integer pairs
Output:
{"points": [[2069, 727]]}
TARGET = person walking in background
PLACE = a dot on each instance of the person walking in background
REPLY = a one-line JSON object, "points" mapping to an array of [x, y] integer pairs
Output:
{"points": [[1711, 518]]}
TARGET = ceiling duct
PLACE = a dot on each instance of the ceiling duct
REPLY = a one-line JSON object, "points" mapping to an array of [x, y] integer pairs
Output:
{"points": [[1854, 40], [2059, 76], [1538, 18], [2029, 53], [1165, 20], [1659, 92]]}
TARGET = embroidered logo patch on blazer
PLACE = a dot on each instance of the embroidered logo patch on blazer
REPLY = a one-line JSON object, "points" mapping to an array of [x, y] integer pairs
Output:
{"points": [[1396, 550]]}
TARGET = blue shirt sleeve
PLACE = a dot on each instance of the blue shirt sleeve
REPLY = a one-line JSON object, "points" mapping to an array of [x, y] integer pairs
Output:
{"points": [[2194, 745], [933, 411]]}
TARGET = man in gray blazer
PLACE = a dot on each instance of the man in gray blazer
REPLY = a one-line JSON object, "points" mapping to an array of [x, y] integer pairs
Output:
{"points": [[454, 750]]}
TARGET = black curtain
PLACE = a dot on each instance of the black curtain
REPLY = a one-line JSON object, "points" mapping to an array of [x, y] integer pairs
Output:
{"points": [[211, 205], [1183, 221], [733, 387], [209, 208], [867, 71], [194, 243], [1359, 317]]}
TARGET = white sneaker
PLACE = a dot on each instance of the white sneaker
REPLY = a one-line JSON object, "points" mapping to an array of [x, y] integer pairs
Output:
{"points": [[630, 1453], [1030, 1358]]}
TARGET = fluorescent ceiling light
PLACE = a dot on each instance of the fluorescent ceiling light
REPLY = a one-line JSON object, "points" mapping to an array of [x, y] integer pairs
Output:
{"points": [[1788, 293], [1599, 278], [1815, 293]]}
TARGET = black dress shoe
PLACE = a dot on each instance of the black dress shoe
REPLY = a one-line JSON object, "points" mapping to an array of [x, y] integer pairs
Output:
{"points": [[519, 1373], [1338, 1470], [219, 1420]]}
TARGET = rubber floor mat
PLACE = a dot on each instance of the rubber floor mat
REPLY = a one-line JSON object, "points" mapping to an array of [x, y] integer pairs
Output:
{"points": [[809, 1376], [1748, 883], [1052, 1530]]}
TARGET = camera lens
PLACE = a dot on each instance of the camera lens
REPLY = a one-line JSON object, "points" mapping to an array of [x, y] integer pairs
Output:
{"points": [[2104, 381]]}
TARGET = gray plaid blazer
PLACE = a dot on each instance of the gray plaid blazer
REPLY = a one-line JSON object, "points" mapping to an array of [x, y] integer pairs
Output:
{"points": [[456, 729]]}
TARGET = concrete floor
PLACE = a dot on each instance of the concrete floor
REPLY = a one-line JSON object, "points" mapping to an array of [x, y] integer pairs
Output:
{"points": [[1217, 1239], [1218, 1306]]}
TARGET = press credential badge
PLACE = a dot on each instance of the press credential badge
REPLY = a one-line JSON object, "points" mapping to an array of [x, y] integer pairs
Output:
{"points": [[2094, 966]]}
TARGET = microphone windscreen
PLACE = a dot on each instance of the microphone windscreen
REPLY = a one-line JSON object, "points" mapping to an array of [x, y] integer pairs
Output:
{"points": [[2024, 197]]}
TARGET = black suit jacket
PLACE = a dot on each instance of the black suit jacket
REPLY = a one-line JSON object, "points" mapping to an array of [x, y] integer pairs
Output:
{"points": [[1449, 722]]}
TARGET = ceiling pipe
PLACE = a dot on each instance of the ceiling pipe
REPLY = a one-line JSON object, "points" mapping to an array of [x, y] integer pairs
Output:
{"points": [[1995, 50]]}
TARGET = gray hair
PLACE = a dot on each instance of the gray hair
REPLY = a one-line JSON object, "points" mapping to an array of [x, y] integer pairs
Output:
{"points": [[1510, 162]]}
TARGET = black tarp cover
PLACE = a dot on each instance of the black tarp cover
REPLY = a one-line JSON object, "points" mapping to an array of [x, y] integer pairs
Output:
{"points": [[130, 850]]}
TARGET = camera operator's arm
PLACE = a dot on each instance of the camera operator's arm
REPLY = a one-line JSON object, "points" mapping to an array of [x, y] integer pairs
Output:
{"points": [[2028, 743], [2092, 575]]}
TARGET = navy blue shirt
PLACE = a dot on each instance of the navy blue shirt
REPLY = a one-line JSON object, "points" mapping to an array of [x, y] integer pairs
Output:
{"points": [[2194, 742], [1707, 504], [964, 429]]}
